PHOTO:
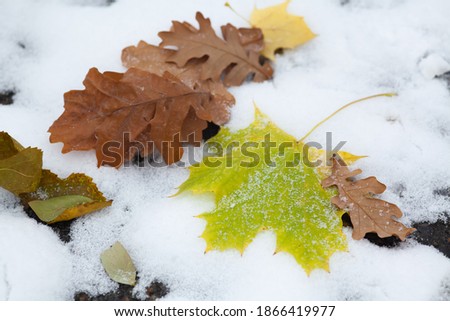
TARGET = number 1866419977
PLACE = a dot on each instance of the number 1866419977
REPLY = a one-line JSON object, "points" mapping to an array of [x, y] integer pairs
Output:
{"points": [[299, 311]]}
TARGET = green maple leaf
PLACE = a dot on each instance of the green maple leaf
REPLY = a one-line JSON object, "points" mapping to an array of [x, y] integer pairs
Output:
{"points": [[250, 198]]}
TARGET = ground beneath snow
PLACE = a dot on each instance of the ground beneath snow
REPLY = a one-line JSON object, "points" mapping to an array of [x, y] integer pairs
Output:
{"points": [[363, 47]]}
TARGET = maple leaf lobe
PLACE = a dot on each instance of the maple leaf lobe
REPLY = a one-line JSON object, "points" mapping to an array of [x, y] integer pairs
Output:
{"points": [[281, 29]]}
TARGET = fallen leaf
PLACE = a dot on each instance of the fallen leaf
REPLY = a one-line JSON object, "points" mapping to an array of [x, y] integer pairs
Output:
{"points": [[7, 146], [223, 57], [287, 200], [252, 39], [367, 214], [154, 111], [154, 59], [20, 171], [118, 264], [51, 198], [322, 156], [48, 210], [58, 200], [280, 29]]}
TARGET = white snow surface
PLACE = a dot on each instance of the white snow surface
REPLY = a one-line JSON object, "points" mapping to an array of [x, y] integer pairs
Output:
{"points": [[363, 47]]}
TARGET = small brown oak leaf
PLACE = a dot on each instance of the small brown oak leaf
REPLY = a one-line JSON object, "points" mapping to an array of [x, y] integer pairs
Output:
{"points": [[252, 39], [228, 58], [368, 214]]}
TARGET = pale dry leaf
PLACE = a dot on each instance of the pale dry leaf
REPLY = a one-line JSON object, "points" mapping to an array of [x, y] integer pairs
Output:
{"points": [[118, 264]]}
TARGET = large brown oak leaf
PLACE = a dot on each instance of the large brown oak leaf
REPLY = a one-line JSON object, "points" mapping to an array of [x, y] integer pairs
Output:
{"points": [[120, 114]]}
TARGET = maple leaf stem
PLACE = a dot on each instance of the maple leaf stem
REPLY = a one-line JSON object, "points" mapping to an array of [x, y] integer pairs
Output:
{"points": [[342, 108], [228, 5]]}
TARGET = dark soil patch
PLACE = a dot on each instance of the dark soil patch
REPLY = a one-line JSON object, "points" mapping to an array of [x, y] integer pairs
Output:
{"points": [[435, 234], [442, 191], [7, 97], [62, 229], [373, 237], [155, 291], [389, 242], [210, 131]]}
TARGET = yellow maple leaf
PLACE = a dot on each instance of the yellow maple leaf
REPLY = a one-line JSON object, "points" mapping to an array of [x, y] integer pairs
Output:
{"points": [[280, 29], [252, 196]]}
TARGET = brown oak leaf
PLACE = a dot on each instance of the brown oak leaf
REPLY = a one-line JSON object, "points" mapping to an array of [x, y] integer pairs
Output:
{"points": [[367, 214], [252, 39], [223, 57], [153, 59], [120, 114]]}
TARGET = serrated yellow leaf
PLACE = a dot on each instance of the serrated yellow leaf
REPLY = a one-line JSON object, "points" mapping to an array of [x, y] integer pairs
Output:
{"points": [[280, 29], [252, 197]]}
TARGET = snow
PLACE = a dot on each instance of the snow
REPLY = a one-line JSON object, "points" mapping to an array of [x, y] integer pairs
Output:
{"points": [[433, 65], [34, 263], [362, 48]]}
